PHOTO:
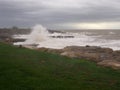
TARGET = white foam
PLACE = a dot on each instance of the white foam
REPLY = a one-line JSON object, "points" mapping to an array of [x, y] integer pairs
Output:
{"points": [[38, 34], [42, 37]]}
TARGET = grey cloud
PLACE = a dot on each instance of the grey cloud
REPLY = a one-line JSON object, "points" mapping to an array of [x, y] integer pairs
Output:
{"points": [[30, 12]]}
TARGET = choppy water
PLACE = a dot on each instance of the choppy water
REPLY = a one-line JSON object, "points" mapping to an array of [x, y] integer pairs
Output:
{"points": [[103, 38]]}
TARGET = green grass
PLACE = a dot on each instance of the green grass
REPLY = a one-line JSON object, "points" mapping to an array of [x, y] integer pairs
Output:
{"points": [[24, 69]]}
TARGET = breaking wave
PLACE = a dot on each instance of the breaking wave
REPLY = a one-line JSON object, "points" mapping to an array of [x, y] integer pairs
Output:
{"points": [[58, 40]]}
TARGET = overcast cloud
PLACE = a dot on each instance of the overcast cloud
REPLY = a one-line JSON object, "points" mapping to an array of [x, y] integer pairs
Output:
{"points": [[61, 14]]}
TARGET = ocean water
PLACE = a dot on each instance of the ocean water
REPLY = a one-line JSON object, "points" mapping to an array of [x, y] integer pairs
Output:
{"points": [[59, 40]]}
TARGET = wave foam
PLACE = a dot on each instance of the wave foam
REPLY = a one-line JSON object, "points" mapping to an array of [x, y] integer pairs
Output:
{"points": [[43, 38]]}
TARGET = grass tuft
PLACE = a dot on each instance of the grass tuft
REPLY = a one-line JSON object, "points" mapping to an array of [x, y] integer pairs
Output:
{"points": [[24, 69]]}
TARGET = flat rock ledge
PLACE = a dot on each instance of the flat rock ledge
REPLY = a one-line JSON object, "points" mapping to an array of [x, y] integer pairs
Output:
{"points": [[102, 56]]}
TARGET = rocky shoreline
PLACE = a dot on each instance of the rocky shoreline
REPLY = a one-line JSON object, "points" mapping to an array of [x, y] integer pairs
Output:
{"points": [[102, 56]]}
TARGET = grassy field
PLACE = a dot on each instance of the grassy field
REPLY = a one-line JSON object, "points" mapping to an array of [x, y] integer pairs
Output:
{"points": [[24, 69]]}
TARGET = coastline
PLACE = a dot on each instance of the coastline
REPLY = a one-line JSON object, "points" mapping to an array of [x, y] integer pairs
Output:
{"points": [[102, 56]]}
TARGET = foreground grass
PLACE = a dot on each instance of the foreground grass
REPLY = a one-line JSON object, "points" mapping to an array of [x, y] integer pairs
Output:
{"points": [[24, 69]]}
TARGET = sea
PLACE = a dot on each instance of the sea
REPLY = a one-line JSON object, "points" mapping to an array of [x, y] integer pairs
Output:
{"points": [[63, 38]]}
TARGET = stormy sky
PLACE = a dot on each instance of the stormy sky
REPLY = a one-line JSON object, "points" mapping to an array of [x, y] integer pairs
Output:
{"points": [[61, 14]]}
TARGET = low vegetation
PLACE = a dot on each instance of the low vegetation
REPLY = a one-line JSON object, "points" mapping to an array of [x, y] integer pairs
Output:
{"points": [[24, 69]]}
